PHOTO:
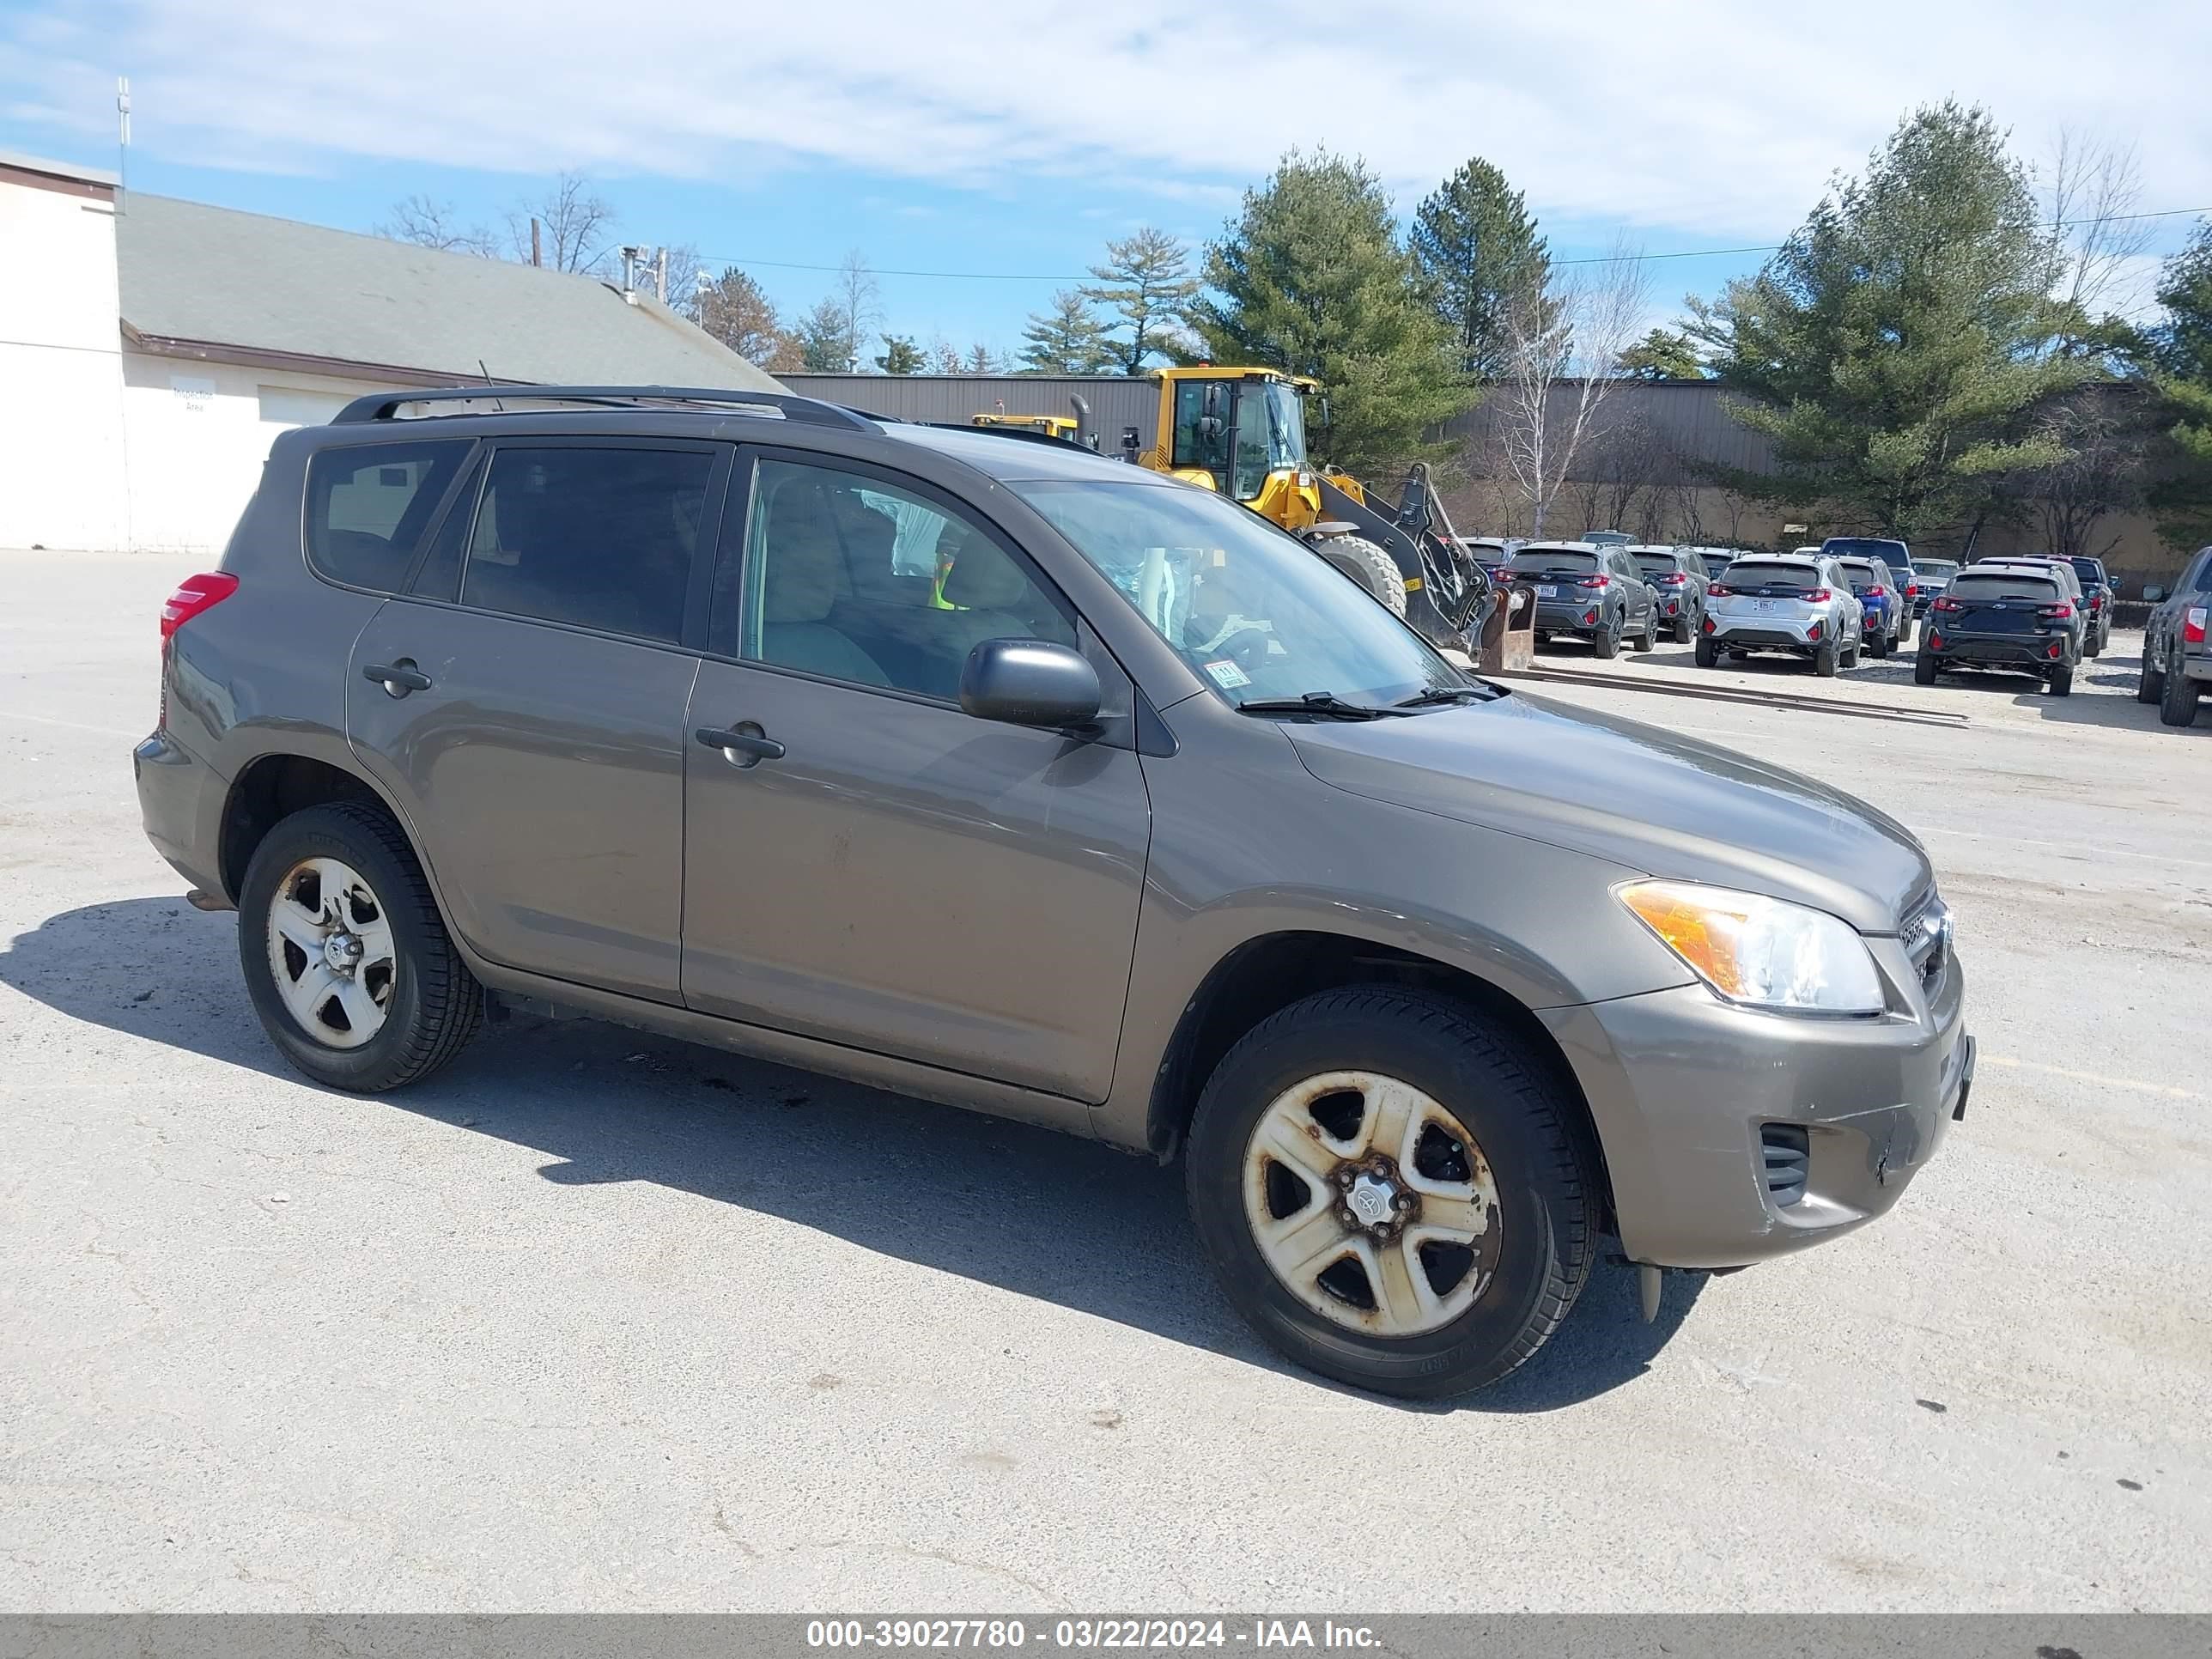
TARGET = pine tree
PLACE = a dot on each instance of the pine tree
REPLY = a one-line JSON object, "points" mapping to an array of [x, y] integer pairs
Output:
{"points": [[1664, 353], [1310, 278], [1895, 349], [826, 344], [1477, 248], [734, 310], [1066, 339], [901, 355], [1146, 281], [2181, 358]]}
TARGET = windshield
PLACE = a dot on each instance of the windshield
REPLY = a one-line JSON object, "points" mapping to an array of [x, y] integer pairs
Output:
{"points": [[1655, 564], [1255, 612], [1570, 564], [2089, 570], [1978, 585], [1746, 573], [1939, 568], [1868, 547]]}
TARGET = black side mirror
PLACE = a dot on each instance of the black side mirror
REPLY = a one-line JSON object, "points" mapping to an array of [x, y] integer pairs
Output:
{"points": [[2154, 593], [1131, 443], [1030, 683]]}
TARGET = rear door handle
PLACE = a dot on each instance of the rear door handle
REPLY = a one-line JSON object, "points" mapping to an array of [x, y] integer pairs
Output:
{"points": [[745, 744], [398, 679]]}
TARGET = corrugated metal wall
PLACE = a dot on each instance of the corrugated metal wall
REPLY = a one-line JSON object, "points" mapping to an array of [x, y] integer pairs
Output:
{"points": [[1661, 429], [1116, 402]]}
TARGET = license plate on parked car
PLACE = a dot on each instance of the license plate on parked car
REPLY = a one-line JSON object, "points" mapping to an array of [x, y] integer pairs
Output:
{"points": [[1545, 592], [1764, 605]]}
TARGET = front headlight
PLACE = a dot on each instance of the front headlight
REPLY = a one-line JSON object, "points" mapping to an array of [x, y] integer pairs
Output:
{"points": [[1760, 951]]}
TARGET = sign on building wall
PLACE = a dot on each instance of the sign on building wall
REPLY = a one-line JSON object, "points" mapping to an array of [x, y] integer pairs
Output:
{"points": [[195, 395]]}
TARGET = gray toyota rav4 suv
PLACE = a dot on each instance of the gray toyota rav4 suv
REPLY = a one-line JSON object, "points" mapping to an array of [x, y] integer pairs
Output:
{"points": [[984, 769]]}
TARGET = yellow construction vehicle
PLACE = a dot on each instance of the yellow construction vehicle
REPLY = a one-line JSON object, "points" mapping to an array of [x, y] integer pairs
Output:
{"points": [[1243, 432], [1062, 427]]}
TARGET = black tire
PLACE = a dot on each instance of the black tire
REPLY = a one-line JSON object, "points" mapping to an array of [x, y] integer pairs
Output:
{"points": [[2062, 680], [1904, 635], [1521, 1118], [1851, 658], [1925, 667], [1877, 646], [2094, 647], [435, 1002], [1648, 640], [1370, 566], [1686, 629], [1823, 660], [1543, 635], [1605, 642], [2150, 683], [1708, 655], [2176, 703]]}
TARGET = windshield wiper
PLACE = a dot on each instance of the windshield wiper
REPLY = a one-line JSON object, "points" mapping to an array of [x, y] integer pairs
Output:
{"points": [[1437, 694], [1326, 704]]}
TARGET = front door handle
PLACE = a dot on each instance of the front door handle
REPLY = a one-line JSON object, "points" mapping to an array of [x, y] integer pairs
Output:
{"points": [[743, 744], [398, 679]]}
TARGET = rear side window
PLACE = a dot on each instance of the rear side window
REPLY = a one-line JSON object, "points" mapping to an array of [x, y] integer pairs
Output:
{"points": [[601, 537], [1976, 585], [1745, 573], [368, 505]]}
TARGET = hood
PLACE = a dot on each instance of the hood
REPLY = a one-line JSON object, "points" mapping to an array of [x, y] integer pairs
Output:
{"points": [[1632, 794]]}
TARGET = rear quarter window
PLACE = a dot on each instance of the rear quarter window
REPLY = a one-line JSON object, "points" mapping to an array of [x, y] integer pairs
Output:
{"points": [[369, 504]]}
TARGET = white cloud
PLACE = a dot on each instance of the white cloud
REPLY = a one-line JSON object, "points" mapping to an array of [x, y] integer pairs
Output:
{"points": [[1717, 118]]}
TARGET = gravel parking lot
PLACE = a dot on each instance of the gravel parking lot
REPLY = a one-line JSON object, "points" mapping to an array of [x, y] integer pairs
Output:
{"points": [[595, 1320]]}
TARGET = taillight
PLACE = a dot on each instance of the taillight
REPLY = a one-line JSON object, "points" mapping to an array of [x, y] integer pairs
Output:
{"points": [[1720, 590], [1912, 590], [1948, 605], [2193, 623], [1673, 578], [2058, 612], [1877, 592], [195, 594], [1595, 581], [1817, 596], [1813, 632]]}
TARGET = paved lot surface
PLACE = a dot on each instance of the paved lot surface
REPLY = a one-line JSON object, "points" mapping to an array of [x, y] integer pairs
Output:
{"points": [[596, 1321]]}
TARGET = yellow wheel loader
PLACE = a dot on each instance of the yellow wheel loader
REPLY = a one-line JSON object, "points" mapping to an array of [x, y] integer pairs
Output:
{"points": [[1243, 432]]}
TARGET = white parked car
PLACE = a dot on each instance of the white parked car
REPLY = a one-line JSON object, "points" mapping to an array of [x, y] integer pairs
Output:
{"points": [[1798, 602]]}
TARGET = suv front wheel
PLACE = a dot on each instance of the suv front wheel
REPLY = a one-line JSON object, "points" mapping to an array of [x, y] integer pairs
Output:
{"points": [[1390, 1192], [345, 956]]}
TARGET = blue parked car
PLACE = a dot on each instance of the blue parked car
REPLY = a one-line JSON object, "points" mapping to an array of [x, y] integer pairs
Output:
{"points": [[1885, 607]]}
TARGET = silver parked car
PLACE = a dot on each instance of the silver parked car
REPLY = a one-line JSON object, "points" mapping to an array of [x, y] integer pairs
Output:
{"points": [[1799, 603], [995, 772]]}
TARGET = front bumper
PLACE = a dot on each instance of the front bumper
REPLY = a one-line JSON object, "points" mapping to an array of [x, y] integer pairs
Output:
{"points": [[1681, 1084]]}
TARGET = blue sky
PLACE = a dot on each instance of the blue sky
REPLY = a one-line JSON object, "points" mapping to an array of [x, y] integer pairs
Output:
{"points": [[1016, 138]]}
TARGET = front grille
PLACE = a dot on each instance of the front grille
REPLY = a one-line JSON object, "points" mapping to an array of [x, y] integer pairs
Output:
{"points": [[1925, 932], [1788, 1150]]}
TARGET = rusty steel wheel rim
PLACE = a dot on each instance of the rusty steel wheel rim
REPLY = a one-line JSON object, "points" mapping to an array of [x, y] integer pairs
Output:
{"points": [[1371, 1204]]}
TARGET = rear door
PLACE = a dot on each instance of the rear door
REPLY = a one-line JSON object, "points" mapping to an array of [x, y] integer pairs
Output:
{"points": [[2011, 603], [880, 870], [524, 704]]}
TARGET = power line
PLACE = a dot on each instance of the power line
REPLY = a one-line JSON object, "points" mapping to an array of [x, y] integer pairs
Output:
{"points": [[1590, 259]]}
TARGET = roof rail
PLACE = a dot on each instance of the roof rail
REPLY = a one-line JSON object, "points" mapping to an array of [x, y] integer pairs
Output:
{"points": [[386, 405]]}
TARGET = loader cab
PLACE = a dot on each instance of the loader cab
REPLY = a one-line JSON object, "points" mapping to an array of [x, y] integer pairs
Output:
{"points": [[1243, 432]]}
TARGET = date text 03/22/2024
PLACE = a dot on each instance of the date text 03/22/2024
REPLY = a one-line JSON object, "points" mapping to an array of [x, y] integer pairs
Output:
{"points": [[1154, 1635]]}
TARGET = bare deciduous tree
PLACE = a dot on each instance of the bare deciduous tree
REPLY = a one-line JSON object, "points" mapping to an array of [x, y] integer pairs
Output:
{"points": [[2095, 187], [858, 299], [2103, 430], [1562, 345], [575, 227], [428, 223]]}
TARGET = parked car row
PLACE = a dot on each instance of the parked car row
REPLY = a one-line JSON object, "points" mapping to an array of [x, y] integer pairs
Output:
{"points": [[2177, 655]]}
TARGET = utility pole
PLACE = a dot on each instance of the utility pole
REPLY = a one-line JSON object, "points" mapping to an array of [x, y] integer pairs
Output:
{"points": [[122, 139], [535, 258], [660, 274]]}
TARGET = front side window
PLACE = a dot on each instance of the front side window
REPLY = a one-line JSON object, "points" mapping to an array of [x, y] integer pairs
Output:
{"points": [[601, 537], [1195, 443], [858, 580], [1255, 612], [368, 505]]}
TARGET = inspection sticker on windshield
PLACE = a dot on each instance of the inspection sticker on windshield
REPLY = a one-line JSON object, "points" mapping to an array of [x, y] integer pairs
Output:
{"points": [[1227, 675]]}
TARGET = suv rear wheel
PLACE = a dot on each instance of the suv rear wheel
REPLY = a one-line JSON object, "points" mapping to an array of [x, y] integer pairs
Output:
{"points": [[2150, 683], [1823, 660], [1605, 642], [2176, 703], [345, 956], [1390, 1193]]}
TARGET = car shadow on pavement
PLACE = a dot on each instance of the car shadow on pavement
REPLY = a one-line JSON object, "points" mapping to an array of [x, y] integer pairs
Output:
{"points": [[1027, 1210]]}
